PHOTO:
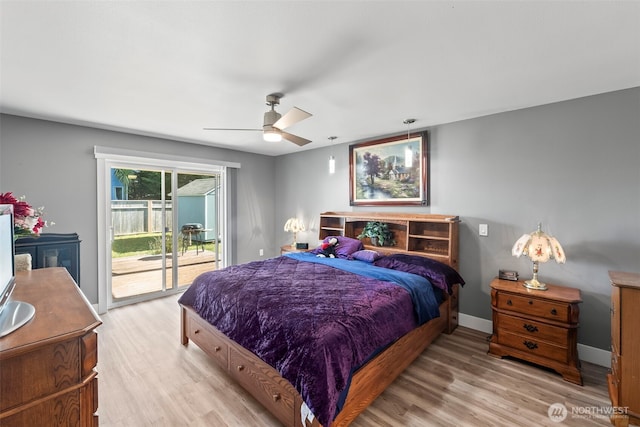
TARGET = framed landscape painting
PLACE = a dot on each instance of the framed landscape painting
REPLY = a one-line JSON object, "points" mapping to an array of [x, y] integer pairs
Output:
{"points": [[390, 171]]}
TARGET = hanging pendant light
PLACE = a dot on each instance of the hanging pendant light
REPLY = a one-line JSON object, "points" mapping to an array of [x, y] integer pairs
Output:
{"points": [[408, 153], [332, 159]]}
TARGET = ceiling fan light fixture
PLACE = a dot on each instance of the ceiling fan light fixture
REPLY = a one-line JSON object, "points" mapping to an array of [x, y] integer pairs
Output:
{"points": [[274, 123], [272, 135]]}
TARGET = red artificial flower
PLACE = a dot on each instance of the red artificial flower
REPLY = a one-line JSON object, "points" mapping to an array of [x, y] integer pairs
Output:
{"points": [[26, 220]]}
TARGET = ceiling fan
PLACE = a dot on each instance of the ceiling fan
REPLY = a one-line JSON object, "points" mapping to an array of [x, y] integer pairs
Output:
{"points": [[274, 123]]}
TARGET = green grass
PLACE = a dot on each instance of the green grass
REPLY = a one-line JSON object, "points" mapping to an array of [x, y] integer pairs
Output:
{"points": [[141, 244], [135, 244]]}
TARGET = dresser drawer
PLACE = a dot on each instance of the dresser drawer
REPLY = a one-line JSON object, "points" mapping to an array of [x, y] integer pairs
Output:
{"points": [[278, 398], [214, 346], [62, 410], [535, 330], [533, 346], [54, 368], [534, 307]]}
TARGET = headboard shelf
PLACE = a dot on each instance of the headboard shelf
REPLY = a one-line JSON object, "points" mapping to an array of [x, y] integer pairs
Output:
{"points": [[430, 235]]}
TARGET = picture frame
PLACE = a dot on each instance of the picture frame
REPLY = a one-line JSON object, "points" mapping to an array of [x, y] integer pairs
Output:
{"points": [[380, 173]]}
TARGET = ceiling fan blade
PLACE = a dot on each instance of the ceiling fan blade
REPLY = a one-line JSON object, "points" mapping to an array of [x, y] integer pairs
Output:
{"points": [[231, 129], [292, 117], [295, 139]]}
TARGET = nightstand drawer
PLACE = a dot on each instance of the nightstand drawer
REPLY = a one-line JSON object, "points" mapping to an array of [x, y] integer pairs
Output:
{"points": [[535, 330], [534, 307], [533, 346]]}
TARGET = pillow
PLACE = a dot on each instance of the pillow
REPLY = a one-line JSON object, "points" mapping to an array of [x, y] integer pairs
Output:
{"points": [[366, 255], [346, 246], [440, 275]]}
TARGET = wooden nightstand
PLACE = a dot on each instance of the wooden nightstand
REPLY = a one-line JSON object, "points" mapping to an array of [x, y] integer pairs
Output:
{"points": [[538, 326], [288, 248]]}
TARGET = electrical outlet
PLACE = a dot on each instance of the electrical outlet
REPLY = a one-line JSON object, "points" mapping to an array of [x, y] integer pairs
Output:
{"points": [[483, 230], [261, 252]]}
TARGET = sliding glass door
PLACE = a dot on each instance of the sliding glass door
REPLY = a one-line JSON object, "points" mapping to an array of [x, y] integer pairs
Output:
{"points": [[162, 220], [164, 230]]}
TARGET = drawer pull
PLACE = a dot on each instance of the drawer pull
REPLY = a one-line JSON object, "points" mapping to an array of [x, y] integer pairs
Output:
{"points": [[240, 368], [530, 345], [530, 302], [217, 348], [554, 311], [276, 397], [509, 302], [530, 328], [197, 331]]}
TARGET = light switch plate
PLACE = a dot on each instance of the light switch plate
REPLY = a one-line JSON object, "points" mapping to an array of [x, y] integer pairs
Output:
{"points": [[483, 230]]}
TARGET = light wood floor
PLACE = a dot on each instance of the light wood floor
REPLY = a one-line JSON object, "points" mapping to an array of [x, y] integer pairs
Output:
{"points": [[146, 378]]}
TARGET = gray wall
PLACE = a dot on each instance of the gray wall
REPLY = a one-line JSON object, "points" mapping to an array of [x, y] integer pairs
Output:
{"points": [[54, 166], [573, 165]]}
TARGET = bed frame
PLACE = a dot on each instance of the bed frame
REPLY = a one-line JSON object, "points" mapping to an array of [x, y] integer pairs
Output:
{"points": [[276, 393]]}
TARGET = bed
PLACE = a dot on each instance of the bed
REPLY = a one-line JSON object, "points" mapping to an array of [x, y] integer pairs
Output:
{"points": [[325, 368]]}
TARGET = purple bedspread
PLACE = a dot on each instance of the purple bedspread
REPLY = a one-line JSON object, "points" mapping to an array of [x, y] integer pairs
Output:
{"points": [[311, 322]]}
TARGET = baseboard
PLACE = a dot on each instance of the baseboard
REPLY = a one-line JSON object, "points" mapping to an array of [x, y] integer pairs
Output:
{"points": [[589, 354], [472, 322], [594, 355]]}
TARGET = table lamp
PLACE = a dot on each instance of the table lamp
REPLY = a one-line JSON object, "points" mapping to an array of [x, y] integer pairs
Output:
{"points": [[294, 225], [540, 247]]}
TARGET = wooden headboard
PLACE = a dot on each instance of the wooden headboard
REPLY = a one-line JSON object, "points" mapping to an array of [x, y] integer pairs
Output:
{"points": [[428, 235]]}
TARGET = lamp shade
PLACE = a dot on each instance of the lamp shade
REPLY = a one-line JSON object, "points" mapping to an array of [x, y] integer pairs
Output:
{"points": [[539, 247], [294, 225], [408, 157]]}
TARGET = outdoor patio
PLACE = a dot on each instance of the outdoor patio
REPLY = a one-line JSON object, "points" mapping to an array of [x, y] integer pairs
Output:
{"points": [[141, 274]]}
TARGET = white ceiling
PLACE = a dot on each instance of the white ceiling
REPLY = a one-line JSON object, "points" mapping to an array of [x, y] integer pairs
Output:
{"points": [[170, 68]]}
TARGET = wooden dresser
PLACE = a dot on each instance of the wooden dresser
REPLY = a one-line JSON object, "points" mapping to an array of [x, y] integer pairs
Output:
{"points": [[47, 375], [624, 379], [538, 326]]}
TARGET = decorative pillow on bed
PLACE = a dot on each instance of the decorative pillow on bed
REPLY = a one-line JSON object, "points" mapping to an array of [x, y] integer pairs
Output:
{"points": [[346, 246], [367, 255], [440, 275]]}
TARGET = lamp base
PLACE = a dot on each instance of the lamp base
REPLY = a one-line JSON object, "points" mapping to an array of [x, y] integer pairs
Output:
{"points": [[534, 284]]}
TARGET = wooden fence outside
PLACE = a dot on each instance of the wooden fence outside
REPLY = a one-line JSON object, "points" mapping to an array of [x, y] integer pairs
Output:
{"points": [[139, 216]]}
